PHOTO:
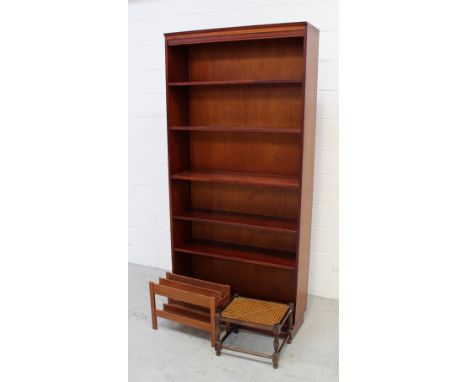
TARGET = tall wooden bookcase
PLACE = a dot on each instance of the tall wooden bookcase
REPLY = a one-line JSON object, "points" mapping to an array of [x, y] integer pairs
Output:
{"points": [[241, 108]]}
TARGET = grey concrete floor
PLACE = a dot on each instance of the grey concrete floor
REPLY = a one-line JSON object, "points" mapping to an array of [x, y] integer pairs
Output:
{"points": [[178, 353]]}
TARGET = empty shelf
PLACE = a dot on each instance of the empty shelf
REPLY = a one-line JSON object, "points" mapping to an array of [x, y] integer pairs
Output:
{"points": [[238, 129], [252, 255], [238, 178], [237, 82], [246, 220]]}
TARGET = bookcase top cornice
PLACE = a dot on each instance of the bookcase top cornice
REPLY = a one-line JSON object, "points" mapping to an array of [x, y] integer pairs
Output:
{"points": [[237, 33]]}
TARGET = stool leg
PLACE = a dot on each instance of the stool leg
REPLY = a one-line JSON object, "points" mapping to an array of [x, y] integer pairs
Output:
{"points": [[290, 322], [275, 358], [233, 327], [218, 333]]}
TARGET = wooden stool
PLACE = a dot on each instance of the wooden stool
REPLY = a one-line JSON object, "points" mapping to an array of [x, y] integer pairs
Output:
{"points": [[255, 314]]}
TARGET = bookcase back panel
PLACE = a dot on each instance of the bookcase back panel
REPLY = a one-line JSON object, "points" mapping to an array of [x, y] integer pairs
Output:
{"points": [[247, 60], [177, 99], [273, 106], [182, 232], [179, 146], [177, 63], [182, 264], [245, 236], [180, 196], [247, 279], [247, 199], [275, 154]]}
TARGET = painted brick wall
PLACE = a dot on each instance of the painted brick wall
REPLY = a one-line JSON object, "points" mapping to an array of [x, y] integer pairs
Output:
{"points": [[149, 239]]}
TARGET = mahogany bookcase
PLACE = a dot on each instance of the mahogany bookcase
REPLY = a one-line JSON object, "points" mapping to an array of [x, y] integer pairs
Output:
{"points": [[241, 105]]}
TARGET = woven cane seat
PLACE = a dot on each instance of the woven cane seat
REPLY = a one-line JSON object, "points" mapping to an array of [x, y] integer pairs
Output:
{"points": [[255, 311]]}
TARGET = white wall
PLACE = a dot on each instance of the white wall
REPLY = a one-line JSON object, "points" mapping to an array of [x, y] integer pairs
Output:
{"points": [[149, 239]]}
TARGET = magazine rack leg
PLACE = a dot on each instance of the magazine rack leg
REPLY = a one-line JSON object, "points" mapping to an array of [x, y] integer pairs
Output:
{"points": [[154, 318]]}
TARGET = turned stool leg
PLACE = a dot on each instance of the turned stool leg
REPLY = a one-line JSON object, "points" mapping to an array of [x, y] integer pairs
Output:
{"points": [[290, 323], [275, 359], [218, 333]]}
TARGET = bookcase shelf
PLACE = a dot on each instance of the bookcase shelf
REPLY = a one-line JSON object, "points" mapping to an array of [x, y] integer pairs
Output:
{"points": [[238, 129], [237, 219], [236, 82], [239, 178], [241, 111], [245, 254]]}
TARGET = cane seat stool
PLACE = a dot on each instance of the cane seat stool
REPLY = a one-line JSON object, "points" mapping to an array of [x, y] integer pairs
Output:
{"points": [[248, 313]]}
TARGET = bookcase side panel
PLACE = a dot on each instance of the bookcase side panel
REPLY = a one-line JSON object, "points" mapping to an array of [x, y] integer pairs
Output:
{"points": [[308, 151]]}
